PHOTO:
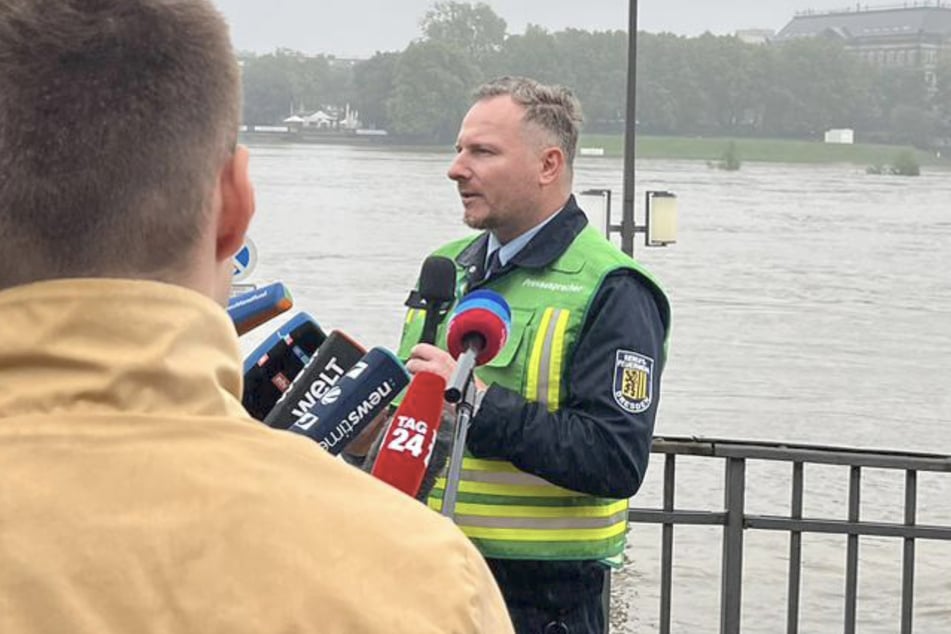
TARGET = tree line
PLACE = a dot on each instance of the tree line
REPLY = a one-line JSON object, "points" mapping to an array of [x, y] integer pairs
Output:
{"points": [[687, 86]]}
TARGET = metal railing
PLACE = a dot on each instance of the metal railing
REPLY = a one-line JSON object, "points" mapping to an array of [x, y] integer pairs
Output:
{"points": [[735, 521]]}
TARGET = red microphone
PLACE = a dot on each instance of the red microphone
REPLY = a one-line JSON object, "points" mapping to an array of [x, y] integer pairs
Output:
{"points": [[407, 447], [477, 332]]}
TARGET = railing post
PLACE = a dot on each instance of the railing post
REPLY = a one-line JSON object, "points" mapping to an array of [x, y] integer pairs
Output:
{"points": [[908, 556], [667, 545], [731, 582], [795, 552], [852, 552]]}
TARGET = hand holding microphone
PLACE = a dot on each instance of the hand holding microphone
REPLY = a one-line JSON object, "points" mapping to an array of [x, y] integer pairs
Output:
{"points": [[478, 330]]}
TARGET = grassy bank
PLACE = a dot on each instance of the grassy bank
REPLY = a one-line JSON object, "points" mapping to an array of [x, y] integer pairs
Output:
{"points": [[768, 150]]}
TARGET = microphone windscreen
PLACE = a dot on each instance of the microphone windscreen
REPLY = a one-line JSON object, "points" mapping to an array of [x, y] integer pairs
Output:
{"points": [[251, 309], [349, 406], [335, 356], [484, 316], [437, 280], [409, 441], [486, 295], [271, 368]]}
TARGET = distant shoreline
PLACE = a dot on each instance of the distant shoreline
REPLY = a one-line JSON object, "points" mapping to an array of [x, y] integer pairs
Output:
{"points": [[759, 150], [658, 147]]}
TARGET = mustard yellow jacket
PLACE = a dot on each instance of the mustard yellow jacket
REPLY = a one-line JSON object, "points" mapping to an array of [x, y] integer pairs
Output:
{"points": [[137, 496]]}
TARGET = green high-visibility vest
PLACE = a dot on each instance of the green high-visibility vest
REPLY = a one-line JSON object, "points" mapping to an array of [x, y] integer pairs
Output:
{"points": [[506, 512]]}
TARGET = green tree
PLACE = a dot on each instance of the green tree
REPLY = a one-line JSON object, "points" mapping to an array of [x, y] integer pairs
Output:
{"points": [[268, 94], [594, 66], [474, 29], [288, 82], [532, 54], [433, 84], [816, 87], [665, 84], [373, 82]]}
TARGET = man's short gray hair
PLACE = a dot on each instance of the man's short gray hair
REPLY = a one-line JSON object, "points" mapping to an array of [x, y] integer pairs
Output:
{"points": [[553, 108]]}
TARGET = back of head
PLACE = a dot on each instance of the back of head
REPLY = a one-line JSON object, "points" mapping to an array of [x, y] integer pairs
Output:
{"points": [[115, 118], [553, 109]]}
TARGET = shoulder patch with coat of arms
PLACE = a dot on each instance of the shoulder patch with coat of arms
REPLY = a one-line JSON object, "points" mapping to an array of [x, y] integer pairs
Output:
{"points": [[633, 387]]}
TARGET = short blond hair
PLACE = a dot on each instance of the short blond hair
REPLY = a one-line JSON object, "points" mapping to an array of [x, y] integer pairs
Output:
{"points": [[553, 108]]}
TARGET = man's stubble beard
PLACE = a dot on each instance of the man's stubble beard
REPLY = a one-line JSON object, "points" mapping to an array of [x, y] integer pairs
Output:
{"points": [[483, 223]]}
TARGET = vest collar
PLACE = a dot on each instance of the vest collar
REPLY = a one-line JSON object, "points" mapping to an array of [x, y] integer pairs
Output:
{"points": [[121, 346], [543, 249]]}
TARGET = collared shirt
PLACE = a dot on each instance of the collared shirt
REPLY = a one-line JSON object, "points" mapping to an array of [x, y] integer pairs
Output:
{"points": [[511, 248]]}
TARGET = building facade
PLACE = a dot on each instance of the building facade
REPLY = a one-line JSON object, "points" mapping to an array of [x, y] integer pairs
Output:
{"points": [[913, 35]]}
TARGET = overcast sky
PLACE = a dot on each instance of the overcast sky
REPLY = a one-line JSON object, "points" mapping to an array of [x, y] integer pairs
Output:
{"points": [[358, 28]]}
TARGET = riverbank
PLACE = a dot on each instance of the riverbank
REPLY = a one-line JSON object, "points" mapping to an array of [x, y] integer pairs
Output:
{"points": [[655, 147], [757, 150]]}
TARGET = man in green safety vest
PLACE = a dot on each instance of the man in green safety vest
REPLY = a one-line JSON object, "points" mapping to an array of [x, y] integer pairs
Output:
{"points": [[562, 433]]}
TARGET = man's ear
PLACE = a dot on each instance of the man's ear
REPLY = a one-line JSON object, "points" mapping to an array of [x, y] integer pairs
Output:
{"points": [[552, 165], [237, 204]]}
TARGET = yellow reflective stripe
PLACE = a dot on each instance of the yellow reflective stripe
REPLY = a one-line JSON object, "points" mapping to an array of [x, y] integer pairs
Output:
{"points": [[504, 477], [541, 523], [477, 464], [556, 361], [495, 510], [535, 535], [535, 361], [412, 313], [509, 490]]}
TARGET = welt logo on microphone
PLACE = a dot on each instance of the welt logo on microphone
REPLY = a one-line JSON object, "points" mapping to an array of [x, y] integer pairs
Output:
{"points": [[353, 418], [320, 387]]}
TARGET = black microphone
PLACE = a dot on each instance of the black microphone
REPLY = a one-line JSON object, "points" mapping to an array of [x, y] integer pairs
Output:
{"points": [[437, 289], [334, 358], [271, 368], [351, 405]]}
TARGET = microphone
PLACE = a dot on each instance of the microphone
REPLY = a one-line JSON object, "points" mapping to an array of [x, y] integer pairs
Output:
{"points": [[477, 332], [274, 364], [437, 287], [336, 355], [251, 309], [408, 444], [349, 406]]}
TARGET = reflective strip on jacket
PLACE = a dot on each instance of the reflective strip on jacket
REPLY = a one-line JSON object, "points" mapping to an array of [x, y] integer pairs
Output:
{"points": [[509, 513]]}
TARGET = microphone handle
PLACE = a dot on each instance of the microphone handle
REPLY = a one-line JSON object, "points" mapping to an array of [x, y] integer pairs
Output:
{"points": [[430, 325], [461, 375], [454, 471]]}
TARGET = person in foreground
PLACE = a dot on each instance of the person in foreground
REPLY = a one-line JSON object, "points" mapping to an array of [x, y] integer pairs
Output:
{"points": [[138, 495], [562, 434]]}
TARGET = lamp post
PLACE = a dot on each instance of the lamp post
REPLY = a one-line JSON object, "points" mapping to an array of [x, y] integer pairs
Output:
{"points": [[630, 123], [660, 207], [660, 218]]}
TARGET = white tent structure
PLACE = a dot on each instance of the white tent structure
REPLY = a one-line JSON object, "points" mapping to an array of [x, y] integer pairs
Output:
{"points": [[320, 119]]}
